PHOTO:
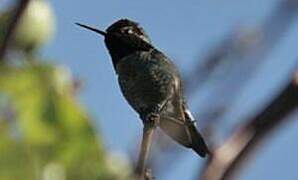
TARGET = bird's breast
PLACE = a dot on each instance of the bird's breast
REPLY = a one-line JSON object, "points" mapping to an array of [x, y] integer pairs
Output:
{"points": [[144, 80]]}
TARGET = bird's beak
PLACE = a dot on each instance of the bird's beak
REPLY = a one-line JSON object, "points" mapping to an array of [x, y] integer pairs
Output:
{"points": [[92, 29]]}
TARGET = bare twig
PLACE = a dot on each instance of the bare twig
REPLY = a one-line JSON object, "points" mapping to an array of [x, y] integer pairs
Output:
{"points": [[241, 52], [17, 14], [141, 171], [227, 159], [243, 49]]}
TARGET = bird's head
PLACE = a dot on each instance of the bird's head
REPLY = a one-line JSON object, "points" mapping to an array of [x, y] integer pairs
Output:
{"points": [[123, 38], [129, 29]]}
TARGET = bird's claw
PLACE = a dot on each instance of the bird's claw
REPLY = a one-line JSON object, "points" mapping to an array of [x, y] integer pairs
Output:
{"points": [[153, 119]]}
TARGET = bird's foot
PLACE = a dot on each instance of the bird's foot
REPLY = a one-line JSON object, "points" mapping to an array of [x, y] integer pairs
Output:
{"points": [[152, 119]]}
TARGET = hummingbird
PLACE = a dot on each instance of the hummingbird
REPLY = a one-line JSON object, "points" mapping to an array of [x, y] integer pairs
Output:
{"points": [[151, 83]]}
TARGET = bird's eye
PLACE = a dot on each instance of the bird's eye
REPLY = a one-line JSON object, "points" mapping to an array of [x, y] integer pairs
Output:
{"points": [[130, 31], [127, 31]]}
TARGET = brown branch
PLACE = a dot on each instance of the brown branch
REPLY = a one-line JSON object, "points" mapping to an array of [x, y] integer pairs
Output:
{"points": [[241, 46], [17, 14], [228, 158], [141, 171]]}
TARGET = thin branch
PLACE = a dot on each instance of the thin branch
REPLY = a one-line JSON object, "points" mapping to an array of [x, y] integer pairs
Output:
{"points": [[241, 52], [17, 14], [141, 171], [228, 158], [243, 48]]}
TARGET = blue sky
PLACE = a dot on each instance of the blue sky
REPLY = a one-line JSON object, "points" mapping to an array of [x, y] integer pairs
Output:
{"points": [[185, 31]]}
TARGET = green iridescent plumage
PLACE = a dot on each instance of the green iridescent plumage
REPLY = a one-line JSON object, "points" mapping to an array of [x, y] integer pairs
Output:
{"points": [[151, 83]]}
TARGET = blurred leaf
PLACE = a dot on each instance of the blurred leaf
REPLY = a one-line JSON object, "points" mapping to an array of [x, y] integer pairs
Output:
{"points": [[43, 129]]}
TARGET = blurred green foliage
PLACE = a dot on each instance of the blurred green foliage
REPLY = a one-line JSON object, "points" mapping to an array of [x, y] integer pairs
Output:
{"points": [[45, 134], [43, 131]]}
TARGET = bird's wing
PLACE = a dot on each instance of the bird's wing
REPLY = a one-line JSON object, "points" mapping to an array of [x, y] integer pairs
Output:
{"points": [[198, 143], [173, 122], [178, 123]]}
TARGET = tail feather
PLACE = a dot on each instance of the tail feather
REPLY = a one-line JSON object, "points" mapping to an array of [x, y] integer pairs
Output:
{"points": [[198, 143]]}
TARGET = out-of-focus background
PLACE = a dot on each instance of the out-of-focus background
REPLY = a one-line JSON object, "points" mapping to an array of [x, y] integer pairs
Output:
{"points": [[62, 115]]}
